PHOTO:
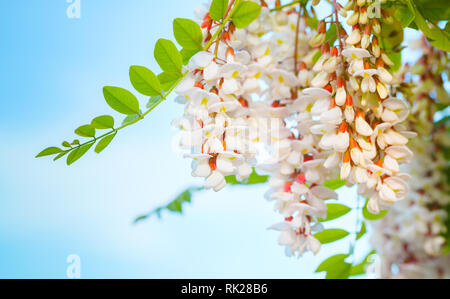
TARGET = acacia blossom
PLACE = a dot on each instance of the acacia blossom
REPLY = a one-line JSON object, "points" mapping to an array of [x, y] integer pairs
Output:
{"points": [[322, 117], [410, 238]]}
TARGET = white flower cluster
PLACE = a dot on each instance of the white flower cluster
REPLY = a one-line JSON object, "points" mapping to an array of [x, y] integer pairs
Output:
{"points": [[297, 168], [362, 126], [217, 123], [410, 237], [323, 112]]}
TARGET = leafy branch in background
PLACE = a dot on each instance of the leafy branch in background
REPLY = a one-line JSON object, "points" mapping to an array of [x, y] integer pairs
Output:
{"points": [[338, 266], [189, 36], [176, 205]]}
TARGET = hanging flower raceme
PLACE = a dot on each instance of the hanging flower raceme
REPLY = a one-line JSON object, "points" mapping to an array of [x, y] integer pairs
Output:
{"points": [[410, 239], [217, 98], [361, 129], [296, 166]]}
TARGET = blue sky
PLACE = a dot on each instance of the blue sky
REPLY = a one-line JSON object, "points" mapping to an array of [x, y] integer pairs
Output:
{"points": [[53, 71]]}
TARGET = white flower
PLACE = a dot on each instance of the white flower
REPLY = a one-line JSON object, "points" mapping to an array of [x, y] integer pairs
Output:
{"points": [[215, 181], [395, 110], [354, 37], [332, 116], [362, 127], [368, 82], [320, 80]]}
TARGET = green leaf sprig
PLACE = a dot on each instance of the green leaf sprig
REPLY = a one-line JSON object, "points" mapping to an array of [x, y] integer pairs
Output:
{"points": [[158, 87]]}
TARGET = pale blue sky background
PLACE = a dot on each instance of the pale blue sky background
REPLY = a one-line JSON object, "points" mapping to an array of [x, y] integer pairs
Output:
{"points": [[52, 72]]}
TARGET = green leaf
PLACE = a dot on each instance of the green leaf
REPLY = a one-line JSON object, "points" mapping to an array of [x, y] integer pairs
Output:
{"points": [[245, 14], [188, 34], [187, 54], [103, 122], [218, 9], [168, 79], [167, 56], [49, 151], [121, 100], [391, 35], [334, 184], [131, 118], [331, 262], [66, 144], [360, 268], [76, 142], [396, 58], [104, 142], [312, 22], [331, 235], [369, 216], [336, 267], [437, 37], [144, 81], [183, 197], [434, 10], [60, 156], [335, 211], [153, 101], [85, 131], [331, 35], [78, 153], [362, 232], [316, 56], [253, 179], [175, 205], [404, 14]]}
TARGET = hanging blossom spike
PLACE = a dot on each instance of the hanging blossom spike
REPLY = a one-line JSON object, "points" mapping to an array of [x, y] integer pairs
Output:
{"points": [[360, 122], [410, 236], [321, 119]]}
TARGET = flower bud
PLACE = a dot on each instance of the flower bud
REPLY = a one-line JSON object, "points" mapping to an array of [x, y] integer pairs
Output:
{"points": [[346, 168], [376, 51], [384, 75], [341, 94], [373, 206], [322, 27], [383, 91], [230, 53], [386, 59], [318, 66], [320, 80], [363, 16], [350, 4], [387, 18], [365, 41], [342, 11], [317, 40], [376, 26], [354, 37], [349, 114], [354, 83], [362, 127], [353, 20]]}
